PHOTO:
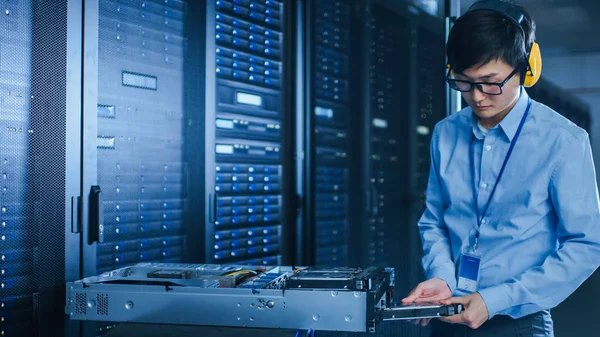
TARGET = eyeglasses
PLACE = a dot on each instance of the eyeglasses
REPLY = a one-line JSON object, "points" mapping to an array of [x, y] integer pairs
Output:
{"points": [[485, 87]]}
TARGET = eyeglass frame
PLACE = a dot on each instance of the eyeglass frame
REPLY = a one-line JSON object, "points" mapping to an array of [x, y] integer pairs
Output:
{"points": [[478, 85]]}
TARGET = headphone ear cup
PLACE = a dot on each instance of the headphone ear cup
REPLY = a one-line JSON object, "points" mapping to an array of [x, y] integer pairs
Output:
{"points": [[532, 75], [450, 69]]}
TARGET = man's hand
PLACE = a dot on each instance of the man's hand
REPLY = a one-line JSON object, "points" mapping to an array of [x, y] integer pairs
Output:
{"points": [[433, 290], [474, 313]]}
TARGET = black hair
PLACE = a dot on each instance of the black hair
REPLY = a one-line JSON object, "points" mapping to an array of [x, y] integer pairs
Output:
{"points": [[481, 36]]}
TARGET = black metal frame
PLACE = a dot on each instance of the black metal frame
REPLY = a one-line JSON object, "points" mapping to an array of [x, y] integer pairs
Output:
{"points": [[73, 147], [288, 102], [309, 168], [197, 129]]}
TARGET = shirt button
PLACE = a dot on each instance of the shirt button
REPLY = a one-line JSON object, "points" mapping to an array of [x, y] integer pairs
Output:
{"points": [[488, 147], [482, 220], [484, 185]]}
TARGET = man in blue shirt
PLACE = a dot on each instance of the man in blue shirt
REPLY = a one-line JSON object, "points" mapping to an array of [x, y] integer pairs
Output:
{"points": [[512, 225]]}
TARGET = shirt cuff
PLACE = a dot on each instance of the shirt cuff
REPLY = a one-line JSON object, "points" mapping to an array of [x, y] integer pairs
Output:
{"points": [[444, 272], [496, 299]]}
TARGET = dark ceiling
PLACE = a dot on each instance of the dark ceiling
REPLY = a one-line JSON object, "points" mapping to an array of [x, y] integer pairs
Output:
{"points": [[563, 26]]}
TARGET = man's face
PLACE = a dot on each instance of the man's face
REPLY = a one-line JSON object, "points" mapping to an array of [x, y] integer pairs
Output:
{"points": [[489, 106]]}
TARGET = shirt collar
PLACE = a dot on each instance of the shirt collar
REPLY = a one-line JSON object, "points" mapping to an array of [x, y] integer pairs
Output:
{"points": [[510, 122]]}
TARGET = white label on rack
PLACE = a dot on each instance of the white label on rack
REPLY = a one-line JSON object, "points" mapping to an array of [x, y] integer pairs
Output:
{"points": [[422, 130], [224, 123], [323, 112], [224, 149], [380, 123], [249, 99], [143, 81]]}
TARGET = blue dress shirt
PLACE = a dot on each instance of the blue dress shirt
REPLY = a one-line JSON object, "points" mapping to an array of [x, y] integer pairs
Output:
{"points": [[540, 237]]}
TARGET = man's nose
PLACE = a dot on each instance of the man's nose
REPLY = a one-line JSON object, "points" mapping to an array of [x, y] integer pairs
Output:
{"points": [[478, 95]]}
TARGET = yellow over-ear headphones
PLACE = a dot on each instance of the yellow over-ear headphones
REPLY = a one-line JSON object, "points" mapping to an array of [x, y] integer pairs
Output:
{"points": [[534, 56]]}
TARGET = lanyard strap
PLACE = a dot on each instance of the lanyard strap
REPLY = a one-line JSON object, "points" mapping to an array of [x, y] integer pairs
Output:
{"points": [[471, 157]]}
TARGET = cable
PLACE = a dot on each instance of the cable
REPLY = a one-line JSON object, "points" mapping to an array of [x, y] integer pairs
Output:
{"points": [[241, 272], [310, 333]]}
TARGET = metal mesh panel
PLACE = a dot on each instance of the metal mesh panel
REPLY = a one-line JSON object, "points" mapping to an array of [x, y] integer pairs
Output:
{"points": [[80, 303], [32, 164], [102, 304]]}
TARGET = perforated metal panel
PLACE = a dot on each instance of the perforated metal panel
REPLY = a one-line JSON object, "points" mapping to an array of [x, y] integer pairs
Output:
{"points": [[32, 164], [80, 303], [102, 300], [141, 131]]}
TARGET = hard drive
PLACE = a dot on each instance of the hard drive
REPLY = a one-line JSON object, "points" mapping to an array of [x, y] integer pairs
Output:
{"points": [[419, 311]]}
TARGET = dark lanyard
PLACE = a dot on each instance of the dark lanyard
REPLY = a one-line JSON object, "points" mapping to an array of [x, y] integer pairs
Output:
{"points": [[471, 157]]}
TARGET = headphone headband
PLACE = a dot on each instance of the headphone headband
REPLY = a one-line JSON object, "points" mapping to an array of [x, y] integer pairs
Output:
{"points": [[510, 11]]}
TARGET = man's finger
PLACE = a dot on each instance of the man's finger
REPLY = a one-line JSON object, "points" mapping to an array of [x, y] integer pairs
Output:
{"points": [[432, 299], [455, 319], [416, 293], [425, 321], [455, 300]]}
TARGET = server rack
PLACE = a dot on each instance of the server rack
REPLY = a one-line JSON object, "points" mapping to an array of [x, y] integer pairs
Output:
{"points": [[386, 113], [142, 131], [431, 105], [149, 141], [373, 194], [246, 218], [328, 120], [140, 109]]}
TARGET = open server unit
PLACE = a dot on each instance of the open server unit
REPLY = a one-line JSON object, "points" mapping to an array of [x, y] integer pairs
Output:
{"points": [[158, 131], [303, 298]]}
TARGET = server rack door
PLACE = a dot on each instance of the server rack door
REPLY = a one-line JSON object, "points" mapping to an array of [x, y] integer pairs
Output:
{"points": [[34, 185], [329, 117], [245, 119], [143, 162]]}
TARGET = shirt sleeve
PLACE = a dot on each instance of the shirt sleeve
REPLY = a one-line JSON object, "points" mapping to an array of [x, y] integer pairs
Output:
{"points": [[437, 260], [574, 195]]}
